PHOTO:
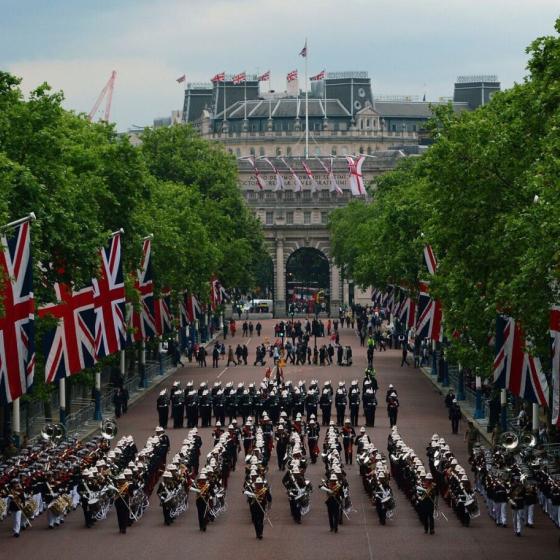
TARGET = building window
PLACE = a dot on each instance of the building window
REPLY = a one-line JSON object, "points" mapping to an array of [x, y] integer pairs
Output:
{"points": [[361, 124], [367, 123], [289, 218], [289, 151], [288, 195], [269, 218], [317, 151], [324, 217], [333, 151], [307, 218], [252, 151], [369, 150], [261, 195], [278, 152], [306, 195], [238, 152], [394, 128], [261, 151], [361, 149], [251, 195]]}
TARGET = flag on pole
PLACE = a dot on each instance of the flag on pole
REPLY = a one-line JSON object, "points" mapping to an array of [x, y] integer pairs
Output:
{"points": [[309, 174], [318, 77], [143, 321], [356, 177], [279, 178], [292, 76], [194, 311], [162, 313], [239, 78], [514, 368], [429, 323], [219, 77], [69, 347], [298, 185], [265, 77], [430, 258], [109, 301], [303, 51], [555, 336], [181, 79], [17, 340], [258, 177], [329, 171]]}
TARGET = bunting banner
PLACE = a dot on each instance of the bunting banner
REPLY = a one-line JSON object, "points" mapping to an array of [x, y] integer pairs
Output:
{"points": [[109, 301], [514, 369], [17, 333], [555, 339], [69, 347], [356, 177], [143, 321]]}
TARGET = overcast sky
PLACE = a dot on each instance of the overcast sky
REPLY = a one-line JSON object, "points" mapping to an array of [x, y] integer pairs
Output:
{"points": [[407, 46]]}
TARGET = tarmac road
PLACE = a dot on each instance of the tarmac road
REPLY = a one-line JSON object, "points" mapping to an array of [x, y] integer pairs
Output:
{"points": [[422, 413]]}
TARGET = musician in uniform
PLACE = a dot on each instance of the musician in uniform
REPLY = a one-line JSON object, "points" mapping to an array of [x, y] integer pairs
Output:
{"points": [[516, 500], [392, 407], [165, 491], [177, 407], [313, 430], [298, 489], [325, 403], [348, 435], [122, 501], [282, 437], [426, 502], [259, 500], [382, 494], [333, 501], [202, 501], [16, 498], [531, 499], [354, 402], [340, 401]]}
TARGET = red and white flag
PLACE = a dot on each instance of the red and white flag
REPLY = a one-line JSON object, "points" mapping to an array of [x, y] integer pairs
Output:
{"points": [[320, 76], [17, 341], [258, 177], [555, 336], [239, 78], [329, 171], [303, 51], [143, 321], [279, 178], [193, 308], [182, 79], [109, 301], [219, 77], [356, 177], [309, 174], [430, 258], [265, 77], [298, 184], [292, 76], [162, 313]]}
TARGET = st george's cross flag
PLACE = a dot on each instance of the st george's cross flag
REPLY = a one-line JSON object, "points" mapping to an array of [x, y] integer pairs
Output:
{"points": [[143, 320], [109, 301], [17, 333], [69, 347], [555, 339], [357, 185], [514, 368]]}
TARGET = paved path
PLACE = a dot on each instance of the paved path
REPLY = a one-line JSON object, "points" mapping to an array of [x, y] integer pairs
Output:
{"points": [[232, 536]]}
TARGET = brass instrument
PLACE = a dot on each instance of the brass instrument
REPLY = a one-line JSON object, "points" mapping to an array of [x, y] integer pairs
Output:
{"points": [[509, 441], [109, 429], [53, 432]]}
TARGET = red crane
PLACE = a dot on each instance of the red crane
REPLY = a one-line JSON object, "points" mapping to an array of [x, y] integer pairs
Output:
{"points": [[106, 91]]}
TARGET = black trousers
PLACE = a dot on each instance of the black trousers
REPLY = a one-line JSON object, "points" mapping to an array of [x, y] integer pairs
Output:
{"points": [[340, 410], [257, 515], [369, 413], [393, 417], [87, 513], [381, 511], [454, 425], [354, 414], [163, 414], [296, 510], [202, 510], [333, 509], [326, 412], [122, 514], [427, 516], [167, 514]]}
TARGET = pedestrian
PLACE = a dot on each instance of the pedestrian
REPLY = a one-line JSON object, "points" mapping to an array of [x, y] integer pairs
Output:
{"points": [[215, 356], [231, 357], [471, 437], [454, 416], [258, 328], [162, 406], [404, 359], [118, 402]]}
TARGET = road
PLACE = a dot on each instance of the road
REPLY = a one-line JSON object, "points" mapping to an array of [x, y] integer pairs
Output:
{"points": [[422, 413]]}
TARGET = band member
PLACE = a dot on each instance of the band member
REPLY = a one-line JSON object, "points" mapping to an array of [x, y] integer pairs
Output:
{"points": [[426, 502], [162, 406], [165, 491], [282, 439], [325, 403], [122, 502], [392, 408], [313, 430], [348, 435], [340, 401], [517, 502], [202, 501], [383, 494], [354, 402], [370, 404], [16, 500], [334, 501], [259, 500]]}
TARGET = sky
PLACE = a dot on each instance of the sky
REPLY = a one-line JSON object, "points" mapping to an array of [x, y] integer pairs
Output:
{"points": [[409, 47]]}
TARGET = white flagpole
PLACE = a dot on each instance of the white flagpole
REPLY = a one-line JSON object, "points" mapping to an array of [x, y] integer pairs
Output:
{"points": [[245, 96], [325, 93], [224, 98], [306, 105]]}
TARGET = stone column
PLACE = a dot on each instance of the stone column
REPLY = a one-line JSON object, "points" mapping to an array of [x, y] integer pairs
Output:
{"points": [[280, 281], [335, 290], [346, 292]]}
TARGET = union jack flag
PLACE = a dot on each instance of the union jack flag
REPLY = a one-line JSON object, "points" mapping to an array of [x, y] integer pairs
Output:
{"points": [[309, 174], [356, 177], [265, 77], [193, 311], [217, 294], [291, 76], [515, 369], [376, 296], [407, 312], [555, 336], [17, 333], [320, 76], [70, 346], [430, 258], [429, 322], [163, 314], [303, 51], [109, 301], [219, 77], [239, 78], [258, 177], [143, 321]]}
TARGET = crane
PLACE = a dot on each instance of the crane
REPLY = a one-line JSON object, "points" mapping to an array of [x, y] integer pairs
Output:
{"points": [[106, 91]]}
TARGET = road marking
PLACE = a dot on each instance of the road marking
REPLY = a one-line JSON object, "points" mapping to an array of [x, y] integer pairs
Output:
{"points": [[366, 531], [248, 341], [222, 372]]}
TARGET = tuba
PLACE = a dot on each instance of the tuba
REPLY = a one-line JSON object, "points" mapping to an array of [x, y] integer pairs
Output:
{"points": [[108, 429], [53, 432], [527, 439], [509, 441]]}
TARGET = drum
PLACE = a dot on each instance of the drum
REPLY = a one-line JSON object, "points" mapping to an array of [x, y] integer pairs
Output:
{"points": [[472, 508]]}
